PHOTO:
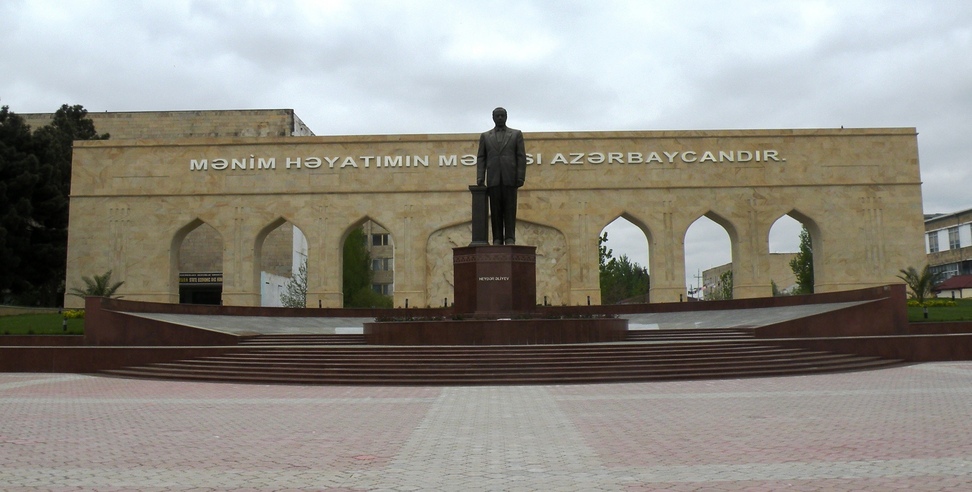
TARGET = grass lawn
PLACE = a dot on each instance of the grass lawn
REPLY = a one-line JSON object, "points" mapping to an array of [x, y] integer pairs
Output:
{"points": [[39, 324], [962, 312]]}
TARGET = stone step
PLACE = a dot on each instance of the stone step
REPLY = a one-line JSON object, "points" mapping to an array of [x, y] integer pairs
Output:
{"points": [[444, 350], [534, 364], [549, 377], [691, 334], [634, 335], [430, 367], [606, 354], [304, 339]]}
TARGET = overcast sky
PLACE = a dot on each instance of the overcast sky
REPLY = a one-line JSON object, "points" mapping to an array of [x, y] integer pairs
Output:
{"points": [[440, 67]]}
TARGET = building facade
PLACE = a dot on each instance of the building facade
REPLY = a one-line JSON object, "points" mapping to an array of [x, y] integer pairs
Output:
{"points": [[948, 243], [201, 254], [135, 202], [780, 274]]}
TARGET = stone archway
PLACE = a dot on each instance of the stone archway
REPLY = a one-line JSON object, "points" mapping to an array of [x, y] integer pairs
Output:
{"points": [[198, 264], [280, 251]]}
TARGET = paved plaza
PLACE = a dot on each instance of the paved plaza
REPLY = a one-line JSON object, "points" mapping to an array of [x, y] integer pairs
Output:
{"points": [[905, 428]]}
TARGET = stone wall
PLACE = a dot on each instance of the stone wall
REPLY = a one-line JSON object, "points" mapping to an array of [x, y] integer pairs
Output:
{"points": [[857, 191]]}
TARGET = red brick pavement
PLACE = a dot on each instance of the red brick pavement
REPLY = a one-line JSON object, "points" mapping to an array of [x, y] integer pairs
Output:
{"points": [[895, 429]]}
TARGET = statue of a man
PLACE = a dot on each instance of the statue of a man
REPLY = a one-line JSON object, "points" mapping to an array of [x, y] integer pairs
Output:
{"points": [[501, 167]]}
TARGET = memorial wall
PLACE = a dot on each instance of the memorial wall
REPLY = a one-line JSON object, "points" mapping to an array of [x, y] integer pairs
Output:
{"points": [[858, 192]]}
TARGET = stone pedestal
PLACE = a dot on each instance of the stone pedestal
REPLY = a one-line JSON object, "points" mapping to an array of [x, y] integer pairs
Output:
{"points": [[496, 286], [497, 281]]}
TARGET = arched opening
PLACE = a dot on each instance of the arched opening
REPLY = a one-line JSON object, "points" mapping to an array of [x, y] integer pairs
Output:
{"points": [[368, 273], [708, 259], [199, 264], [623, 262], [281, 253], [784, 243], [381, 250], [791, 246]]}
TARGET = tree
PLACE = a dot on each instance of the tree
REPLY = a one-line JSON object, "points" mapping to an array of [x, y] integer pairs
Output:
{"points": [[296, 294], [35, 182], [723, 290], [604, 255], [46, 261], [620, 278], [19, 175], [920, 283], [98, 285], [358, 275], [802, 264]]}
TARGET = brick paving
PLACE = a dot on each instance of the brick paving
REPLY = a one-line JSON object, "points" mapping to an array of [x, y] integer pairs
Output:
{"points": [[905, 428]]}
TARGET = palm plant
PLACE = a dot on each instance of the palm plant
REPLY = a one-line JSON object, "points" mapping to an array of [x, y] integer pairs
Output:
{"points": [[920, 283], [97, 286]]}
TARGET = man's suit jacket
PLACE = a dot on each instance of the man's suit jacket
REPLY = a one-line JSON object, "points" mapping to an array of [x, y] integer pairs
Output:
{"points": [[501, 161]]}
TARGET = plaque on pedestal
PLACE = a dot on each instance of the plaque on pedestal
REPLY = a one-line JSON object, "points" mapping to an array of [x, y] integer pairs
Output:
{"points": [[498, 281]]}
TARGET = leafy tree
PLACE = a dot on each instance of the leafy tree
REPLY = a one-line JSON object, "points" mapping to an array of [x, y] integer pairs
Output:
{"points": [[19, 175], [296, 294], [358, 275], [722, 290], [35, 183], [620, 278], [98, 285], [802, 265], [604, 255], [54, 144], [920, 283]]}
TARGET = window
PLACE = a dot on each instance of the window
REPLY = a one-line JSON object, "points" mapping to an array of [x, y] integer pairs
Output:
{"points": [[945, 271], [383, 289], [381, 264], [379, 239], [953, 238], [933, 242]]}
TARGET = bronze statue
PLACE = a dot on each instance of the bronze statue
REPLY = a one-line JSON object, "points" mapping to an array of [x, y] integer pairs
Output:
{"points": [[501, 167]]}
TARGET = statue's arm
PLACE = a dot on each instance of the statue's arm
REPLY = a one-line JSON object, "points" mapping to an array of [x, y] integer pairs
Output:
{"points": [[520, 159]]}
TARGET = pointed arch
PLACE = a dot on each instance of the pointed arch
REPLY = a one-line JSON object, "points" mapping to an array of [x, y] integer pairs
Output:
{"points": [[816, 240], [634, 220], [280, 250], [631, 239], [380, 245], [783, 235], [196, 253], [706, 262]]}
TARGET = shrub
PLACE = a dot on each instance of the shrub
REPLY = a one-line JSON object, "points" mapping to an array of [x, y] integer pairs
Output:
{"points": [[74, 314], [932, 303]]}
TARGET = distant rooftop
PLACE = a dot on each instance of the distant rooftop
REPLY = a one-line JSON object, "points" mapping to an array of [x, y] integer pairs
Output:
{"points": [[954, 283], [935, 217], [131, 125]]}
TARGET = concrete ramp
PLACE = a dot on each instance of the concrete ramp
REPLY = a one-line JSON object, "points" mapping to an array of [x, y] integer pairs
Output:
{"points": [[269, 325]]}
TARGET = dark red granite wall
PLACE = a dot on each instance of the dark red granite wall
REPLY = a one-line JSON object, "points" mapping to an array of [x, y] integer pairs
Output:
{"points": [[505, 332], [104, 326], [92, 359]]}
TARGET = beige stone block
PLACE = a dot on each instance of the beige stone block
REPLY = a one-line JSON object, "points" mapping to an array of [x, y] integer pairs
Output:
{"points": [[857, 190]]}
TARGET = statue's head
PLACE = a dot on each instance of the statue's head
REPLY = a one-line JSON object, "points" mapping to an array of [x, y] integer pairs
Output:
{"points": [[499, 116]]}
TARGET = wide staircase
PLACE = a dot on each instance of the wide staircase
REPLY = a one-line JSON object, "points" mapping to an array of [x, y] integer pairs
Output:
{"points": [[649, 355]]}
